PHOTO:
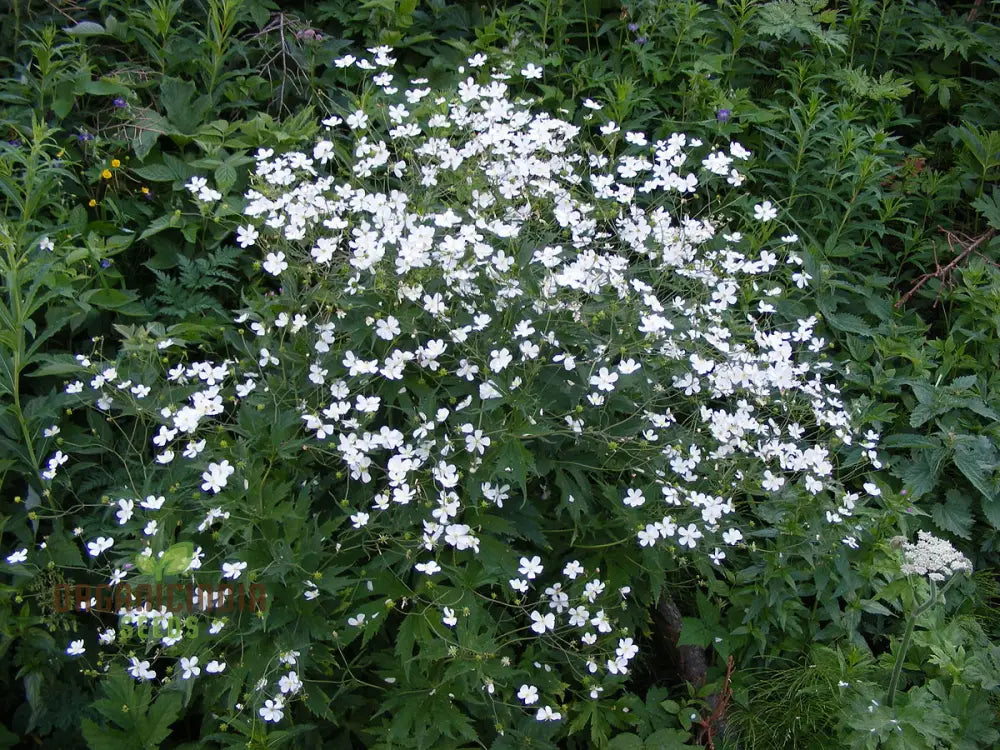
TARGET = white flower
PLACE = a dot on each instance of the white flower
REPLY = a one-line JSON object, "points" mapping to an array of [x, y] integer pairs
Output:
{"points": [[872, 489], [933, 557], [357, 120], [573, 569], [732, 536], [246, 235], [540, 623], [771, 482], [449, 618], [190, 667], [357, 621], [233, 570], [527, 694], [76, 648], [634, 498], [217, 476], [428, 568], [17, 557], [99, 545], [387, 329], [214, 667], [531, 71], [290, 683], [140, 670], [545, 713], [153, 502], [764, 211], [604, 380], [275, 263], [271, 711], [530, 568], [689, 536]]}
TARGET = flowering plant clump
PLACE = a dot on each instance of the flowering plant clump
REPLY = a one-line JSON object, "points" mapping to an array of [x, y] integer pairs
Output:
{"points": [[503, 374]]}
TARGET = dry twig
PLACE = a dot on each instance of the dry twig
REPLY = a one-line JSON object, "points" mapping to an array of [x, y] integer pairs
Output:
{"points": [[967, 246]]}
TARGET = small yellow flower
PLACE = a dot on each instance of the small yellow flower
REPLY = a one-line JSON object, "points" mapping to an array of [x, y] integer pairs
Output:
{"points": [[92, 203], [115, 163], [106, 174], [145, 190]]}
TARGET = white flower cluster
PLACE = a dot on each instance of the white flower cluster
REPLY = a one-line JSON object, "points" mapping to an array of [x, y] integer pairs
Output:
{"points": [[933, 557]]}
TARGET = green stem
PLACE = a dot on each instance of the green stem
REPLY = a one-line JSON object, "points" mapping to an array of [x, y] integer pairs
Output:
{"points": [[897, 669]]}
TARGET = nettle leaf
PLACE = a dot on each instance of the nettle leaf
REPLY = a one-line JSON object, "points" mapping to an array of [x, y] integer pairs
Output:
{"points": [[694, 632], [850, 323], [976, 458], [954, 515], [920, 473]]}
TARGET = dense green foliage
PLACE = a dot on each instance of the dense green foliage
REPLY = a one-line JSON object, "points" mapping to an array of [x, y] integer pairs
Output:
{"points": [[874, 131]]}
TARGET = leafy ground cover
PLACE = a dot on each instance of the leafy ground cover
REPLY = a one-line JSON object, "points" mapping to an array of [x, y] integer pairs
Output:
{"points": [[545, 374]]}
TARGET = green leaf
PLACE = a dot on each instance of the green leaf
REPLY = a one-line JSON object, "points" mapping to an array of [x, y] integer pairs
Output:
{"points": [[849, 323], [149, 126], [873, 607], [626, 742], [976, 458], [176, 96], [694, 633], [105, 88], [85, 28], [954, 515], [154, 727], [108, 299], [145, 564], [989, 207], [155, 173], [225, 177], [668, 739], [177, 558]]}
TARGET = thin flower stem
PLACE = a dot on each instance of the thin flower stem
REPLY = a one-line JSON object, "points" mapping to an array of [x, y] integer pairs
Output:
{"points": [[897, 668]]}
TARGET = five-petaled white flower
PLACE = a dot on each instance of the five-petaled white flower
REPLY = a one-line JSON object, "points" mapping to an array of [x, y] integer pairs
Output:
{"points": [[217, 476], [540, 623], [532, 71], [17, 557], [530, 568], [290, 683], [275, 263], [604, 380], [233, 570], [764, 211], [528, 694], [76, 648], [545, 713], [99, 545], [246, 235], [689, 536], [140, 670], [271, 710], [428, 568]]}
